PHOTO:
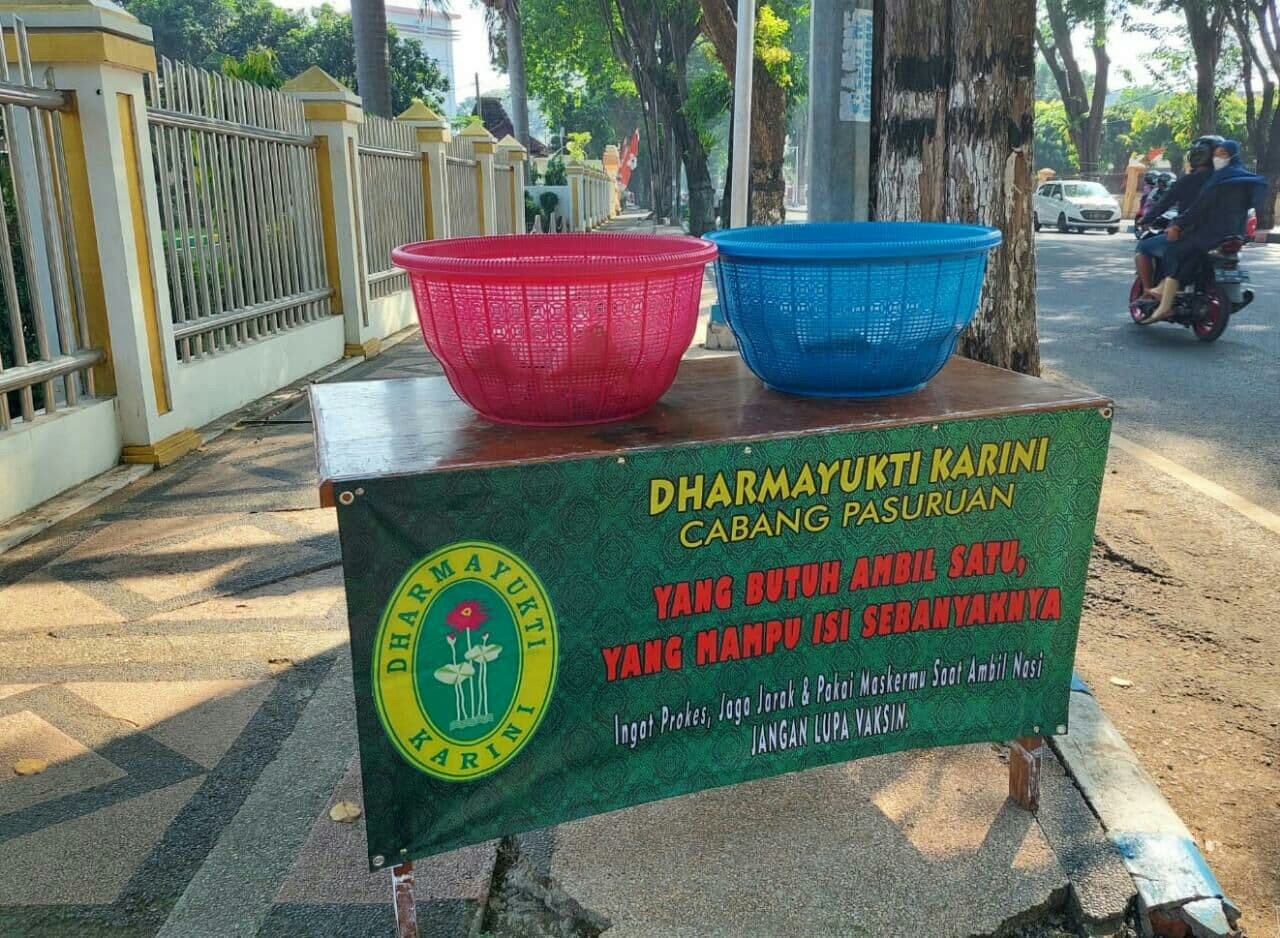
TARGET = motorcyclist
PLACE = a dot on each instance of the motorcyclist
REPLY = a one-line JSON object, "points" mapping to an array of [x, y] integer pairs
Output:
{"points": [[1179, 195], [1218, 212]]}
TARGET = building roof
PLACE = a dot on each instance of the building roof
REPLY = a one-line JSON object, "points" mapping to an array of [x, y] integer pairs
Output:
{"points": [[496, 120]]}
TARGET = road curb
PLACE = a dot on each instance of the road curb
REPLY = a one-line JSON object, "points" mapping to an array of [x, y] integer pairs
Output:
{"points": [[1177, 892]]}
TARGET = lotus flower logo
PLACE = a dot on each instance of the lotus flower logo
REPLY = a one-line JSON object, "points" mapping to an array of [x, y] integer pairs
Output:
{"points": [[465, 618]]}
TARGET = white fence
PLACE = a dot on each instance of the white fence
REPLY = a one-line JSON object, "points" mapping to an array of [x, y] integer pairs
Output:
{"points": [[239, 202], [392, 199], [462, 174], [44, 355]]}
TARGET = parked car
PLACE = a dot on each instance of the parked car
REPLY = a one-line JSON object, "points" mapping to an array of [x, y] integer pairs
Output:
{"points": [[1075, 204]]}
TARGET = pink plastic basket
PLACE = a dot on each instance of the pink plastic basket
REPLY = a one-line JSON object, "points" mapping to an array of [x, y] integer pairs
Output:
{"points": [[558, 330]]}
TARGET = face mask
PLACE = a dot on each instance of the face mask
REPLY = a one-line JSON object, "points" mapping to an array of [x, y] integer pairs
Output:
{"points": [[1220, 161]]}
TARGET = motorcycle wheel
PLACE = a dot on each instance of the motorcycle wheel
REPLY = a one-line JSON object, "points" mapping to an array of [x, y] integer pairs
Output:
{"points": [[1135, 291], [1217, 312], [1062, 224]]}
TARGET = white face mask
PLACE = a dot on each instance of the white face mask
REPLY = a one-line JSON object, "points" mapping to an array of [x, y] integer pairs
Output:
{"points": [[1220, 161]]}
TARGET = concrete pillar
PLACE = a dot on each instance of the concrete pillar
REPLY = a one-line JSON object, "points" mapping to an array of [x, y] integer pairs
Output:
{"points": [[516, 154], [483, 149], [839, 151], [100, 53], [334, 113], [576, 174], [433, 143]]}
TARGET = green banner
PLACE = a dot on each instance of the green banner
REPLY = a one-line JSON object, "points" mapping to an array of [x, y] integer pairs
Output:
{"points": [[543, 642]]}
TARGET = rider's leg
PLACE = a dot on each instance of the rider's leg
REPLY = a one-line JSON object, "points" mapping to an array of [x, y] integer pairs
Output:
{"points": [[1145, 270], [1149, 250], [1168, 288]]}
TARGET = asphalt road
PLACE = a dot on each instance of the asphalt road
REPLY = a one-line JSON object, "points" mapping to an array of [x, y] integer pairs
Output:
{"points": [[1214, 408]]}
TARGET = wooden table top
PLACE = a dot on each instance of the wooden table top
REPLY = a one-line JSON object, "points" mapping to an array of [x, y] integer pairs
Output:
{"points": [[374, 429]]}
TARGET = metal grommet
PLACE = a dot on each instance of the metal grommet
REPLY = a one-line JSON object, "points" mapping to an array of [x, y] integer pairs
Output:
{"points": [[360, 491], [1036, 729], [1062, 730], [345, 498], [746, 451], [379, 860], [1106, 412], [622, 460]]}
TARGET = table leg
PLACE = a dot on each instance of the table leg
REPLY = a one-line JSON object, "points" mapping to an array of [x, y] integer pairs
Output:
{"points": [[1024, 771], [406, 905]]}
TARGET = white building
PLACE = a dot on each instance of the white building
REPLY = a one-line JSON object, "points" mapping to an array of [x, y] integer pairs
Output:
{"points": [[435, 27]]}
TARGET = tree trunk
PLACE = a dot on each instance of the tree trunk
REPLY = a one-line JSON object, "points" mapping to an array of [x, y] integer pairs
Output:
{"points": [[515, 71], [768, 117], [369, 33], [1085, 114], [955, 103], [1206, 20], [1269, 166]]}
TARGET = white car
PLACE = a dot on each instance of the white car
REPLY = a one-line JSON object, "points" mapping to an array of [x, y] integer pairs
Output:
{"points": [[1075, 204]]}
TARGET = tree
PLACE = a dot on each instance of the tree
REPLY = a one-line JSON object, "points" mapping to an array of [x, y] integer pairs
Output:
{"points": [[505, 29], [654, 38], [1257, 28], [773, 79], [373, 70], [940, 151], [1084, 111], [260, 42], [1205, 24]]}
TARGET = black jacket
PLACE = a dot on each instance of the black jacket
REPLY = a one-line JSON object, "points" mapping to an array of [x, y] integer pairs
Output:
{"points": [[1181, 194]]}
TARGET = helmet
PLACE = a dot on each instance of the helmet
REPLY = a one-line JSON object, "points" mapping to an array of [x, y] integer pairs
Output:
{"points": [[1166, 180], [1151, 177], [1201, 151]]}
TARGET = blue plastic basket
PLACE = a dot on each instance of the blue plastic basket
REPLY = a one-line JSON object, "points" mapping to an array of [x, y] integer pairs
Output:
{"points": [[859, 309]]}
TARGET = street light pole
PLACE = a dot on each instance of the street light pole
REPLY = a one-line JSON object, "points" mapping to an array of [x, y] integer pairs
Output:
{"points": [[743, 63]]}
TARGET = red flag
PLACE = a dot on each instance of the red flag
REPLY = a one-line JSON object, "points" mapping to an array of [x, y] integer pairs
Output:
{"points": [[630, 156]]}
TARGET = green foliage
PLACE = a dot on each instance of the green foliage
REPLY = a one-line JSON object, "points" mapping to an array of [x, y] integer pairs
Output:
{"points": [[8, 341], [572, 72], [1054, 149], [549, 202], [259, 65], [578, 143], [263, 43], [556, 174], [1172, 120], [530, 211]]}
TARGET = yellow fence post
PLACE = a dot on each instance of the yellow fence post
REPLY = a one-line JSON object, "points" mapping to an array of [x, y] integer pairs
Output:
{"points": [[516, 154], [483, 148], [333, 112], [433, 143], [101, 55]]}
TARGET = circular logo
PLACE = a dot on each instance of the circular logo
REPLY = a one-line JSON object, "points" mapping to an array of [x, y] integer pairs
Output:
{"points": [[464, 661]]}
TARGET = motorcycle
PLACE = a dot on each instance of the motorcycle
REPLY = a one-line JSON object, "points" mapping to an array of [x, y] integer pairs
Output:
{"points": [[1212, 294]]}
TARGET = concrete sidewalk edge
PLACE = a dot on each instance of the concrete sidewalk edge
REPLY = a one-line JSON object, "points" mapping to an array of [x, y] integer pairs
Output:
{"points": [[1177, 892]]}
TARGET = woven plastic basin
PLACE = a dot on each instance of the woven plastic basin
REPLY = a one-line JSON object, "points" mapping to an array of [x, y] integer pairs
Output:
{"points": [[858, 309], [558, 330]]}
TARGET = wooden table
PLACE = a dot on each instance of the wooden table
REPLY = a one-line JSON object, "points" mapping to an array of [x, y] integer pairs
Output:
{"points": [[410, 467]]}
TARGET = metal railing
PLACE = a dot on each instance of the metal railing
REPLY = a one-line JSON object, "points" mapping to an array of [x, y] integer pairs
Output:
{"points": [[462, 179], [394, 209], [44, 353], [240, 207]]}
